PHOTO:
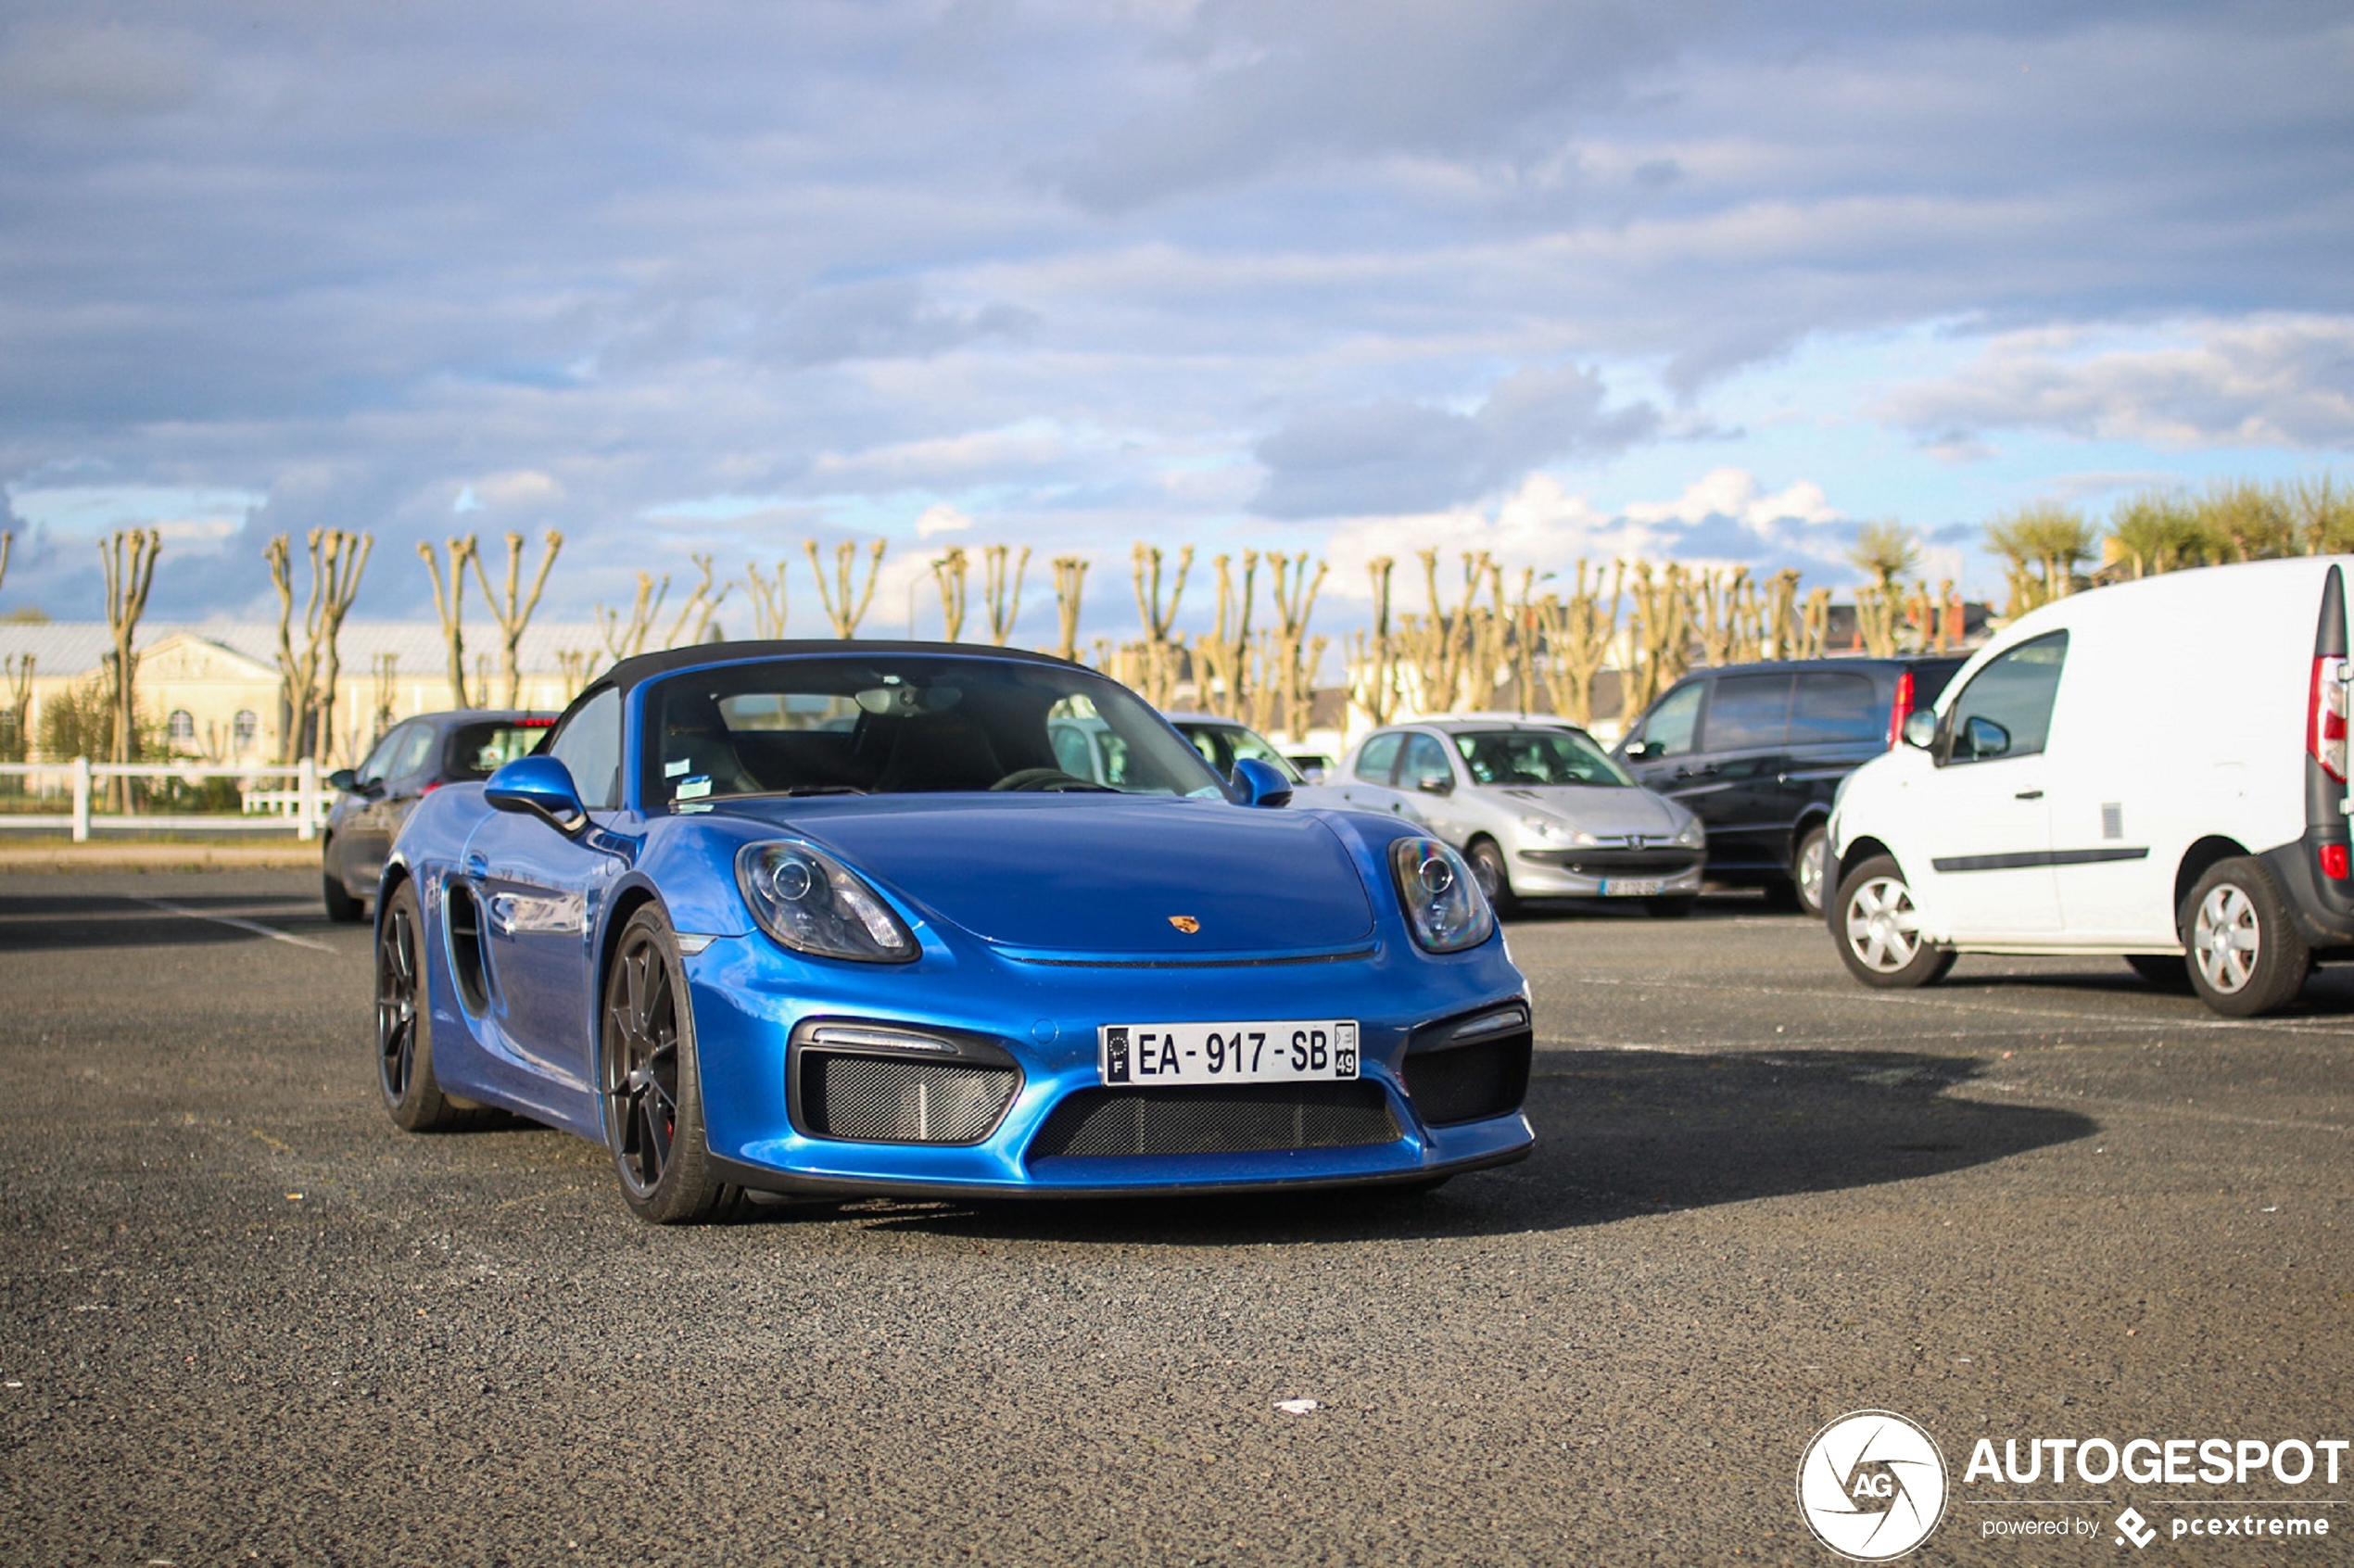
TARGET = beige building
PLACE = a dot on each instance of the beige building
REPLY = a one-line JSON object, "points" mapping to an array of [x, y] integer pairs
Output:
{"points": [[213, 686]]}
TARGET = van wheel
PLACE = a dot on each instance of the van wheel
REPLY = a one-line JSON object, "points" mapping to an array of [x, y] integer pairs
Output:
{"points": [[1878, 929], [2163, 972], [1487, 870], [1807, 872], [2246, 957]]}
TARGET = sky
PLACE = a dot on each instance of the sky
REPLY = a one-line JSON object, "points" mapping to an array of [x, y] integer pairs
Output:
{"points": [[1549, 278]]}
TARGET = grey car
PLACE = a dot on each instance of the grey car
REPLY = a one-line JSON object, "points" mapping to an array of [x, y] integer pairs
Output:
{"points": [[1539, 810]]}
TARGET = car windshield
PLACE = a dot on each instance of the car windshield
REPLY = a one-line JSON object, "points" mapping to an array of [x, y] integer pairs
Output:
{"points": [[1537, 756], [1223, 745], [477, 751], [905, 724]]}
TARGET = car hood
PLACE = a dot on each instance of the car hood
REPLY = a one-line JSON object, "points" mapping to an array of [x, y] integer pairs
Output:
{"points": [[1597, 808], [1098, 874]]}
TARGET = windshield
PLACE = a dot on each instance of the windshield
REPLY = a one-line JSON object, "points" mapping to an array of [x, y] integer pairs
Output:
{"points": [[1222, 745], [1537, 756], [477, 751], [904, 724]]}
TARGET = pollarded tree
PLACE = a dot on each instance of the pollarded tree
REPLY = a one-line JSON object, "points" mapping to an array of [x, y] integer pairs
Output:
{"points": [[513, 611], [129, 557], [2043, 544], [448, 603]]}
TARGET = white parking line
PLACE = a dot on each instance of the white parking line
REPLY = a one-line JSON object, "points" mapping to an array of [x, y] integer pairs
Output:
{"points": [[257, 930], [2053, 1020]]}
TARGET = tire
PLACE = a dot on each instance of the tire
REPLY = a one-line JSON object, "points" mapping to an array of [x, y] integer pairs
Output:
{"points": [[1675, 908], [651, 1088], [1876, 926], [2245, 957], [412, 1094], [2162, 972], [1490, 872], [342, 908], [1809, 870]]}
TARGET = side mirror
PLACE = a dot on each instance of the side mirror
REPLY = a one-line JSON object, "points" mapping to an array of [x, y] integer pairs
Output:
{"points": [[540, 787], [1984, 737], [344, 779], [1435, 783], [1260, 784], [1638, 749], [1920, 728]]}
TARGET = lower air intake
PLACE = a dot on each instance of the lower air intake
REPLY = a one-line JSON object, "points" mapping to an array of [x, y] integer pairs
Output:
{"points": [[1229, 1118], [901, 1100], [1469, 1082]]}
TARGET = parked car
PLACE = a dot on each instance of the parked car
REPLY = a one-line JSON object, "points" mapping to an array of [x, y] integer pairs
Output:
{"points": [[2148, 770], [1539, 810], [416, 757], [829, 918], [1222, 742], [1757, 751]]}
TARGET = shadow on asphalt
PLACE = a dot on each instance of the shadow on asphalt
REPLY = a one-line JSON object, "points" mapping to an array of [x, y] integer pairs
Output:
{"points": [[1619, 1135], [48, 924]]}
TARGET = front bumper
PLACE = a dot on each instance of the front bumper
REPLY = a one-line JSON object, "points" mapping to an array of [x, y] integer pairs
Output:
{"points": [[1549, 872], [749, 996]]}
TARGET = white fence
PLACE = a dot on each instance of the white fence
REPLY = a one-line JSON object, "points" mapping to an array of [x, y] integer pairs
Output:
{"points": [[302, 809]]}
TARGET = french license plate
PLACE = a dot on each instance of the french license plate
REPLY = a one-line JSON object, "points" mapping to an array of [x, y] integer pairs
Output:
{"points": [[1228, 1053], [1632, 887]]}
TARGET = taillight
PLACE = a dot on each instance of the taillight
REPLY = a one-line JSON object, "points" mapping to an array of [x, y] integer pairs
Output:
{"points": [[432, 786], [2334, 863], [1901, 710], [2325, 720]]}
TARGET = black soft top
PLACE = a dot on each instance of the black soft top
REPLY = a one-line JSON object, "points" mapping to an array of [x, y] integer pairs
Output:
{"points": [[702, 655]]}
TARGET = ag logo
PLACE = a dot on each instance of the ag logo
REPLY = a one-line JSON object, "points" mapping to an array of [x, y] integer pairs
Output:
{"points": [[1872, 1485]]}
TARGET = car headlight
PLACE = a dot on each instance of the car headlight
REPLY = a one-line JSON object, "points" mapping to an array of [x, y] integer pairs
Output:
{"points": [[814, 904], [1444, 907], [1553, 830], [1693, 835]]}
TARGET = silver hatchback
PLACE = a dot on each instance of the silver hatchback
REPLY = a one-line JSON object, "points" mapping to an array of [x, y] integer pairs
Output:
{"points": [[1539, 810]]}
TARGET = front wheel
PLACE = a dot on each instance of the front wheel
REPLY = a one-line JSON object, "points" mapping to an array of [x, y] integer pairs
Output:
{"points": [[1879, 929], [652, 1090], [2246, 957], [1490, 872]]}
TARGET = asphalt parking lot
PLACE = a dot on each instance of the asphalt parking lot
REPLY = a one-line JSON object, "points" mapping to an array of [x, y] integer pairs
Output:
{"points": [[246, 1321]]}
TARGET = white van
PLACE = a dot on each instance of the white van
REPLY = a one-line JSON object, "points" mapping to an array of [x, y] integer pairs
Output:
{"points": [[2151, 771]]}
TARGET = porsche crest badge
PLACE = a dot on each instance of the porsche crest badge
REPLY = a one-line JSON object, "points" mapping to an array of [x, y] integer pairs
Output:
{"points": [[1185, 923]]}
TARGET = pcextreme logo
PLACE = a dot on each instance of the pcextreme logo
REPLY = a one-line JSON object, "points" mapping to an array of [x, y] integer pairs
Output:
{"points": [[1871, 1485]]}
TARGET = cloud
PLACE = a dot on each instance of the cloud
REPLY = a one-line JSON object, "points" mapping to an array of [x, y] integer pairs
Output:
{"points": [[940, 519], [1397, 456], [888, 318], [2268, 383]]}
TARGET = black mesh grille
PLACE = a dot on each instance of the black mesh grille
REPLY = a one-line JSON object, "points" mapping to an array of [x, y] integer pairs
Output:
{"points": [[1469, 1082], [1229, 1118], [901, 1100]]}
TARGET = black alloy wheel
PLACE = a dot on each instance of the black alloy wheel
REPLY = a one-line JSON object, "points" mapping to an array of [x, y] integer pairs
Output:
{"points": [[404, 1024], [652, 1091]]}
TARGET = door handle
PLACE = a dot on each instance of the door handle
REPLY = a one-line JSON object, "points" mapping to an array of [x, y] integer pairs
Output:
{"points": [[2029, 795]]}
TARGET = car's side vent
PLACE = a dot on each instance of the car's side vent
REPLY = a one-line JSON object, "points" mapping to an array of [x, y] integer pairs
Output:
{"points": [[463, 916], [1470, 1068]]}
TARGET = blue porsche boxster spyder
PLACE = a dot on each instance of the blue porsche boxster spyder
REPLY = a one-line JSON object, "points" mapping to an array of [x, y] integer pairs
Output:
{"points": [[840, 917]]}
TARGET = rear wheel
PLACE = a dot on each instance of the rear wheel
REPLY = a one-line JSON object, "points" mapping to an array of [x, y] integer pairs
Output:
{"points": [[412, 1094], [1494, 879], [342, 908], [1806, 872], [2162, 971], [653, 1090], [1878, 929], [2246, 957]]}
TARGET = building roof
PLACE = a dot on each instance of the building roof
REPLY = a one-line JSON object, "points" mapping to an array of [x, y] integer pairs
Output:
{"points": [[77, 647]]}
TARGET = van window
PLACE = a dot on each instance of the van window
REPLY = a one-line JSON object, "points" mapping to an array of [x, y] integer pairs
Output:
{"points": [[1840, 708], [1380, 755], [1672, 724], [1748, 711], [2006, 711]]}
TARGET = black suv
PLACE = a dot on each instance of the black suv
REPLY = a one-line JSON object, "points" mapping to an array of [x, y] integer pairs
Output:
{"points": [[1757, 751]]}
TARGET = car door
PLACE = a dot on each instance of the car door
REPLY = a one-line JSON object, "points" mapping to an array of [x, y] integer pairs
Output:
{"points": [[540, 892], [1426, 761], [1367, 785], [392, 771], [1666, 739], [1733, 782], [1985, 816]]}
